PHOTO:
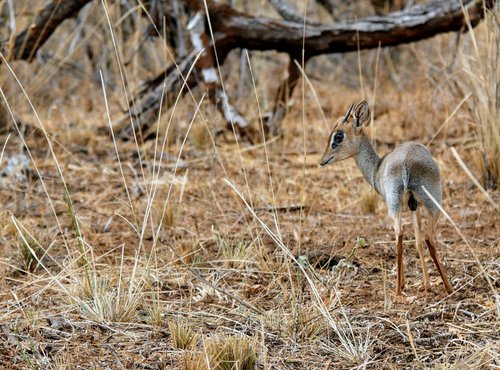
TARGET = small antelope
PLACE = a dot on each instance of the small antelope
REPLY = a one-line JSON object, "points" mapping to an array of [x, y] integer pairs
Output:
{"points": [[398, 177]]}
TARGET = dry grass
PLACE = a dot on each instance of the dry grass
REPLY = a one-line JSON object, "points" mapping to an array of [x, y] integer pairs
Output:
{"points": [[483, 80], [156, 261]]}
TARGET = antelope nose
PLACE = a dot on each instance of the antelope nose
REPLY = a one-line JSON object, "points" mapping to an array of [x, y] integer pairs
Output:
{"points": [[324, 161]]}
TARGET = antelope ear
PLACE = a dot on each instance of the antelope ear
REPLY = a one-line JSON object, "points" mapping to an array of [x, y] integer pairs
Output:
{"points": [[361, 114], [348, 114]]}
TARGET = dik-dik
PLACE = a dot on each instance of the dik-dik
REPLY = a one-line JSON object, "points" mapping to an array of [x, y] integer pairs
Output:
{"points": [[399, 177]]}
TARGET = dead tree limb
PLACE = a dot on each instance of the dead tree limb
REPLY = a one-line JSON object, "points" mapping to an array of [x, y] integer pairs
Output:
{"points": [[233, 29], [27, 43], [238, 30]]}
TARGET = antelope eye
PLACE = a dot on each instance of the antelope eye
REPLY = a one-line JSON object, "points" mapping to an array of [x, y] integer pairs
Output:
{"points": [[337, 139]]}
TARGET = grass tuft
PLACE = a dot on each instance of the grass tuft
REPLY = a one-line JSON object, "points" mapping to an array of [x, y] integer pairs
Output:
{"points": [[182, 334], [110, 303], [222, 353], [306, 325], [231, 353], [234, 255], [200, 137]]}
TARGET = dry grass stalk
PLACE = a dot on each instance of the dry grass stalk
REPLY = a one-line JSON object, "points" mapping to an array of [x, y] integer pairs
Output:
{"points": [[231, 353]]}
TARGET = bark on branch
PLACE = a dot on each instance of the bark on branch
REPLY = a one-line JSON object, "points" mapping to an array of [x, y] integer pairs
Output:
{"points": [[27, 43]]}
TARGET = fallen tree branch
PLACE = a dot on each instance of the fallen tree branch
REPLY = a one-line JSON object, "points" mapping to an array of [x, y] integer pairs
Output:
{"points": [[234, 29]]}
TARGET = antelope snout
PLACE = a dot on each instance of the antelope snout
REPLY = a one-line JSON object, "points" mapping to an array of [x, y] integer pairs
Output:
{"points": [[325, 159]]}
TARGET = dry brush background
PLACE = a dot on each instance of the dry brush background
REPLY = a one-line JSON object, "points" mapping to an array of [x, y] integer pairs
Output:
{"points": [[211, 252]]}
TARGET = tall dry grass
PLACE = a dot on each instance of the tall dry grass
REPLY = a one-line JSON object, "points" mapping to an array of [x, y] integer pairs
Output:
{"points": [[483, 81]]}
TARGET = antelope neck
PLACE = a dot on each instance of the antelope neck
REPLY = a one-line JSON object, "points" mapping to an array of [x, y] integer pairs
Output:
{"points": [[368, 161]]}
